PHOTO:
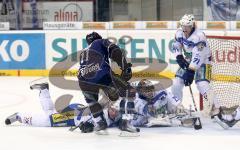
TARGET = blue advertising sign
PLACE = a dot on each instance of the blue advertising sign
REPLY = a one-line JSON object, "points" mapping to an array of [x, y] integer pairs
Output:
{"points": [[22, 51]]}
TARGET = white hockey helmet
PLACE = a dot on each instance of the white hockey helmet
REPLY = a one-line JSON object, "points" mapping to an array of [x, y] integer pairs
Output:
{"points": [[187, 20]]}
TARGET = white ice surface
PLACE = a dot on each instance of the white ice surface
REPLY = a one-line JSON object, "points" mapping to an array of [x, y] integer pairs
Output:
{"points": [[17, 97]]}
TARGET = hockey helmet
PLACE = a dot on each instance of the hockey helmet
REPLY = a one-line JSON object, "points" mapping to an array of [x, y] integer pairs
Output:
{"points": [[146, 89], [92, 37], [187, 20]]}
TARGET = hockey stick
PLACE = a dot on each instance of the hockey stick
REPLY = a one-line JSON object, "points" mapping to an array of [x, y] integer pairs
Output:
{"points": [[72, 128], [197, 122]]}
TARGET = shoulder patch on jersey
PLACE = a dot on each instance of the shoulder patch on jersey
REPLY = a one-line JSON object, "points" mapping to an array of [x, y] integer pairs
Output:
{"points": [[200, 45]]}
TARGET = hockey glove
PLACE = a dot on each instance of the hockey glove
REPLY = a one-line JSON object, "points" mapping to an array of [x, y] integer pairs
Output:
{"points": [[188, 77], [182, 62], [86, 127], [126, 74]]}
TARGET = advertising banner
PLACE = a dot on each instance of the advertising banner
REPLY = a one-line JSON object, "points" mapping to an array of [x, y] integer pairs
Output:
{"points": [[22, 51], [142, 46], [44, 50], [35, 13]]}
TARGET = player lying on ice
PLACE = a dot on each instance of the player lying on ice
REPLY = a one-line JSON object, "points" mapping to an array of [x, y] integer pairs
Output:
{"points": [[72, 115], [75, 114], [159, 108], [152, 109]]}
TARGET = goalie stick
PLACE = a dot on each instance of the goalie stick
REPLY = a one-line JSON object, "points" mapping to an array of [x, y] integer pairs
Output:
{"points": [[197, 123]]}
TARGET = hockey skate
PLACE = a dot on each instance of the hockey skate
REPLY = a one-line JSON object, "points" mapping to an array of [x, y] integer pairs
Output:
{"points": [[13, 118], [224, 123], [128, 130], [101, 127], [40, 86]]}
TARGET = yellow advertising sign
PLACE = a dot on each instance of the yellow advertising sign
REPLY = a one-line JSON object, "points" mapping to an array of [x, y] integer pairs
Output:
{"points": [[238, 24], [94, 25], [124, 25], [216, 25], [157, 25]]}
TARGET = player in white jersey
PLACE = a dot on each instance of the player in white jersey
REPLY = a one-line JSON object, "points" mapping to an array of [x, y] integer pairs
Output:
{"points": [[158, 108], [72, 115], [193, 57]]}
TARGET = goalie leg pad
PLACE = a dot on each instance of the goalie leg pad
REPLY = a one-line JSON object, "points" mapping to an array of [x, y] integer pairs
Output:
{"points": [[177, 87], [188, 121]]}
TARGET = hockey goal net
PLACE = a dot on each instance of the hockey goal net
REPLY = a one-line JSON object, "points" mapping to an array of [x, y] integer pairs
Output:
{"points": [[225, 72]]}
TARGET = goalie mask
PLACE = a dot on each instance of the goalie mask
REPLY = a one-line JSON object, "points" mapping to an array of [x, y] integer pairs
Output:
{"points": [[146, 89]]}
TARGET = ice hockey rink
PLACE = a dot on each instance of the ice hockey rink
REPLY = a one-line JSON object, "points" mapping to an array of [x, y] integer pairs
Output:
{"points": [[17, 97]]}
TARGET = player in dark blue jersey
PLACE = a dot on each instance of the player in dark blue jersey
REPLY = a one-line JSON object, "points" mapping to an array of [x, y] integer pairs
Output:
{"points": [[95, 73]]}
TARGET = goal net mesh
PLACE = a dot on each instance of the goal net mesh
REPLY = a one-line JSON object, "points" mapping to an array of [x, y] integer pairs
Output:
{"points": [[225, 71]]}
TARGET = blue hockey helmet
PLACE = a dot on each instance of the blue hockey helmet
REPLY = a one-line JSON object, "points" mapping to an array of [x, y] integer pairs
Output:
{"points": [[92, 36]]}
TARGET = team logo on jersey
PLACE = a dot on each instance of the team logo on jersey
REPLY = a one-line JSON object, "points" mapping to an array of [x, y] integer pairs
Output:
{"points": [[201, 45], [90, 63], [89, 69]]}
